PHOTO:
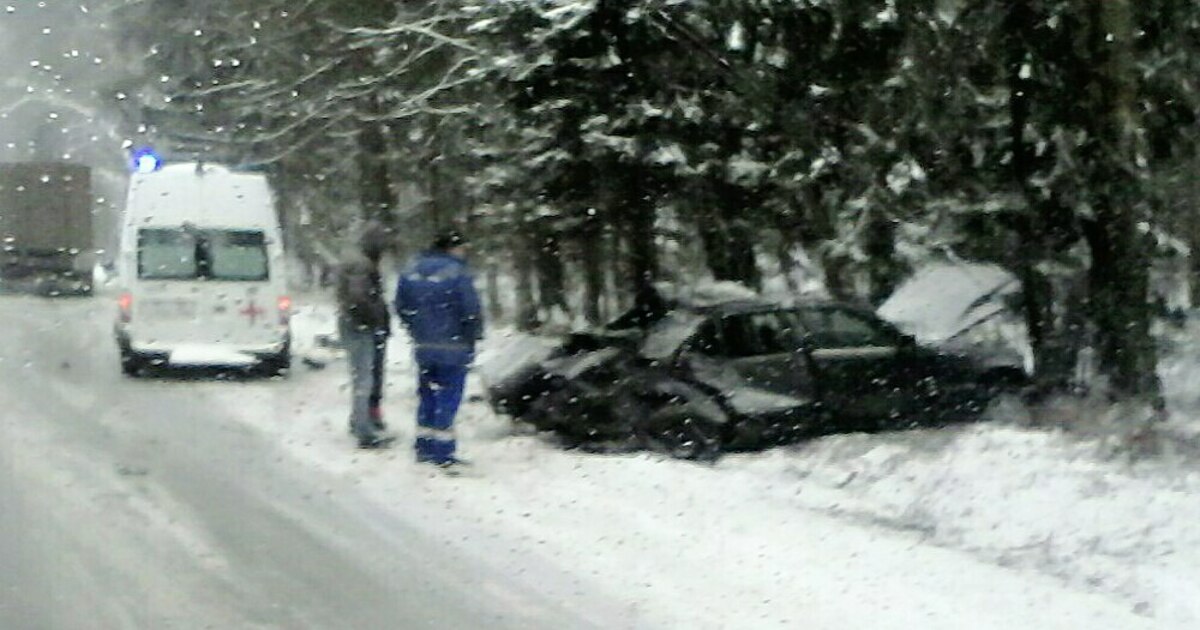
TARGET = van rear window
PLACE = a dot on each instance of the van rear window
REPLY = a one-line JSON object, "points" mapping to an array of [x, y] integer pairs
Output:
{"points": [[166, 255], [191, 254]]}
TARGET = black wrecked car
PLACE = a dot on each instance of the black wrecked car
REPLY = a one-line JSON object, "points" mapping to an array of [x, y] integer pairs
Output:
{"points": [[693, 380]]}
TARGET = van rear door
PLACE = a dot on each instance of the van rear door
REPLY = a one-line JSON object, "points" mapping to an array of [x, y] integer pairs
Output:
{"points": [[205, 286]]}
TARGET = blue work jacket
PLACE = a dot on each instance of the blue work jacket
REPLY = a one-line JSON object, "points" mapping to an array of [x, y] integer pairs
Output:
{"points": [[438, 305]]}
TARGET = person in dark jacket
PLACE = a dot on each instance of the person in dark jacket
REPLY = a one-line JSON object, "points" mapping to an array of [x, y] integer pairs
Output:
{"points": [[364, 326], [438, 305]]}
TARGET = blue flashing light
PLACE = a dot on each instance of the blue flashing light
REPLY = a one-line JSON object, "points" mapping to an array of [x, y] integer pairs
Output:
{"points": [[146, 161]]}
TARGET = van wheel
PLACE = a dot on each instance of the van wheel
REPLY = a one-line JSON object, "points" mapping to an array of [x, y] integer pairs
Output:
{"points": [[132, 364], [277, 364]]}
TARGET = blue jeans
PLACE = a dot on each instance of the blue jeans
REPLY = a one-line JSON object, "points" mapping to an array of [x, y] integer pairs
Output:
{"points": [[440, 388], [364, 353]]}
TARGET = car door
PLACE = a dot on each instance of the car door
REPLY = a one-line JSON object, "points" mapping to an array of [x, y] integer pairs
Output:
{"points": [[753, 360], [762, 349], [858, 363]]}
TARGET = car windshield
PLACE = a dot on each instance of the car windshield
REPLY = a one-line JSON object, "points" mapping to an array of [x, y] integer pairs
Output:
{"points": [[188, 254], [665, 337]]}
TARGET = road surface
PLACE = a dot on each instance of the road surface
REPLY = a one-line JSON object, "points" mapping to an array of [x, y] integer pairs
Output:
{"points": [[125, 504]]}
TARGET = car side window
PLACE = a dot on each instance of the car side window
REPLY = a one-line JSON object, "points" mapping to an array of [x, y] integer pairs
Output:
{"points": [[840, 328], [756, 334]]}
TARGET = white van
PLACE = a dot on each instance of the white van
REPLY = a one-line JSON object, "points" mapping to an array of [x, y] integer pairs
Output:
{"points": [[202, 271]]}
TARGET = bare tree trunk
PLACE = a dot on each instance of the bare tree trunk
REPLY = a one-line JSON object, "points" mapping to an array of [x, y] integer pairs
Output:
{"points": [[527, 317], [639, 219], [1120, 266], [816, 231], [495, 305], [883, 271], [552, 290], [591, 249], [837, 278], [376, 194], [787, 262], [1053, 364], [614, 272], [1194, 270]]}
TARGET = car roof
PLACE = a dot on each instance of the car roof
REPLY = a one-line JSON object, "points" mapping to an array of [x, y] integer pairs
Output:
{"points": [[742, 306], [680, 321]]}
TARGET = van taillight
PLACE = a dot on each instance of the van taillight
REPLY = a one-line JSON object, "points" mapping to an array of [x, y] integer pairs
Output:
{"points": [[125, 303], [285, 309]]}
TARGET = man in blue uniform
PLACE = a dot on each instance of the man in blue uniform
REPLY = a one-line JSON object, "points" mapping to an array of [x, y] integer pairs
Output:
{"points": [[438, 305]]}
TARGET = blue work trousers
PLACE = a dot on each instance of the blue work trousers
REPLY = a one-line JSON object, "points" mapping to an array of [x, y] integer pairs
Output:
{"points": [[440, 388]]}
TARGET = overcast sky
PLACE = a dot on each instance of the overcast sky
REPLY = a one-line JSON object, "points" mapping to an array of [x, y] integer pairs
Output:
{"points": [[56, 93], [56, 60]]}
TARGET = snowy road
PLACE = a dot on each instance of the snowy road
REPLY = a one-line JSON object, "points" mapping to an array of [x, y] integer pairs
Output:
{"points": [[136, 504], [193, 503]]}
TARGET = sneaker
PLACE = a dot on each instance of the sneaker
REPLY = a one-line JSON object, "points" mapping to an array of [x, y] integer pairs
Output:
{"points": [[376, 442]]}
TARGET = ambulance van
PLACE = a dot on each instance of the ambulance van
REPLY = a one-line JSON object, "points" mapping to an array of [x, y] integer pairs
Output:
{"points": [[201, 268]]}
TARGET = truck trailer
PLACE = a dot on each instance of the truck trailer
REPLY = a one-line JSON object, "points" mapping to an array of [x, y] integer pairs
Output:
{"points": [[46, 239]]}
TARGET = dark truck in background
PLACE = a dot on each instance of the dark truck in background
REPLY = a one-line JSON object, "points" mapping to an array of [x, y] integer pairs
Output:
{"points": [[46, 239]]}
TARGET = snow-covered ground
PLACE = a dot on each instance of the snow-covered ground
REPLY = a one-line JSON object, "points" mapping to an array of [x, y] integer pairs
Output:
{"points": [[1024, 527]]}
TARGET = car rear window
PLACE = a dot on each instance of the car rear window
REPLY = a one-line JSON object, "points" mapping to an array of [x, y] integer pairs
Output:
{"points": [[191, 254]]}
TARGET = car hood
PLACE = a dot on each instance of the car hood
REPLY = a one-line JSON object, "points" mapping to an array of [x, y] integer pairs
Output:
{"points": [[963, 309]]}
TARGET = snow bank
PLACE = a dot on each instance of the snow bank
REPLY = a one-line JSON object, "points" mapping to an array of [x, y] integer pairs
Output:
{"points": [[1028, 500], [987, 526]]}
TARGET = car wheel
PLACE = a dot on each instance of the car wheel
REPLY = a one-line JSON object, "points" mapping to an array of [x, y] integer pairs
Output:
{"points": [[579, 412], [682, 429], [544, 410]]}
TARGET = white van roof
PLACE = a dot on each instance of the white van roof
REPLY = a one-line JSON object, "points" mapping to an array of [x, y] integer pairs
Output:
{"points": [[204, 195]]}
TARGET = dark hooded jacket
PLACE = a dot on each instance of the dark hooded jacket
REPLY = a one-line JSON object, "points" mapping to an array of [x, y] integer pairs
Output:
{"points": [[360, 296]]}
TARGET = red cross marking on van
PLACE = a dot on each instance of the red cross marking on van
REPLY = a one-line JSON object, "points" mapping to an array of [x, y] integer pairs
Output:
{"points": [[252, 311]]}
